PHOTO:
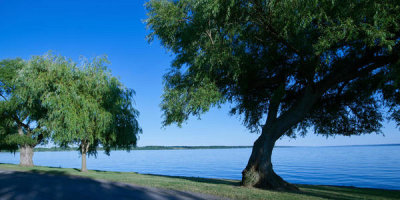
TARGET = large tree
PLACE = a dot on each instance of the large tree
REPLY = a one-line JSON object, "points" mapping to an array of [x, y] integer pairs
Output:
{"points": [[22, 119], [288, 67], [86, 105]]}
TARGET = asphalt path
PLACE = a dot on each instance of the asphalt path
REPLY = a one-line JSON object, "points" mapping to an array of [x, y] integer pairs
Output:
{"points": [[34, 186]]}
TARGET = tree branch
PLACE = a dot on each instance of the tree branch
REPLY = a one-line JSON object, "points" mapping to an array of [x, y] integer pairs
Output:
{"points": [[39, 139], [3, 97], [274, 104], [361, 68], [208, 32], [313, 92], [20, 123], [300, 109]]}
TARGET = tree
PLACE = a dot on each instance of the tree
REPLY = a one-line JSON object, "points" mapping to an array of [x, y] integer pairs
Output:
{"points": [[86, 105], [5, 131], [288, 67], [21, 118]]}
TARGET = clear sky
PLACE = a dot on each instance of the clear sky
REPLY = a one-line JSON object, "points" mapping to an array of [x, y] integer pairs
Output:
{"points": [[97, 27]]}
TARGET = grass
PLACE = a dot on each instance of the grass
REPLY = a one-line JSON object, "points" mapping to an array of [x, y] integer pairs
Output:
{"points": [[218, 187]]}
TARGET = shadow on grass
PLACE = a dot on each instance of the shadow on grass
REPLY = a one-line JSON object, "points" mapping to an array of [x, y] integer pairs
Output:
{"points": [[321, 191], [201, 180], [52, 172], [114, 172], [53, 184], [346, 193], [99, 171]]}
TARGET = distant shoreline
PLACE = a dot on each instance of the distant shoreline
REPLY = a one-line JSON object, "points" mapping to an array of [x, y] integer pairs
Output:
{"points": [[55, 149], [150, 148]]}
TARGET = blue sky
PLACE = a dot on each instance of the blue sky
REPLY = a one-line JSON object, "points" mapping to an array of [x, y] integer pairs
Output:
{"points": [[91, 28]]}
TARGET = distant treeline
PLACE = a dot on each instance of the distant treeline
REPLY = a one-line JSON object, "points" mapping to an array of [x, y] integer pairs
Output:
{"points": [[39, 149]]}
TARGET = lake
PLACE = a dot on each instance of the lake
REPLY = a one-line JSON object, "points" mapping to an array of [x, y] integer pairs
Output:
{"points": [[360, 166]]}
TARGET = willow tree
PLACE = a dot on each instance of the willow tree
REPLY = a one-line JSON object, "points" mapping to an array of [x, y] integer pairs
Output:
{"points": [[288, 67], [22, 119], [86, 105]]}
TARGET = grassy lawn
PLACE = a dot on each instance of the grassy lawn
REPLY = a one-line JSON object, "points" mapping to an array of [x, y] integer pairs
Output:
{"points": [[218, 187]]}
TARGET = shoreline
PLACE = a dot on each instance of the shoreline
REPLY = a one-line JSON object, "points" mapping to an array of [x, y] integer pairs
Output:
{"points": [[145, 148], [223, 188]]}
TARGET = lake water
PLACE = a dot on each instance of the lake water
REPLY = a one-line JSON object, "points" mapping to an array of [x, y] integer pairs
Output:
{"points": [[360, 166]]}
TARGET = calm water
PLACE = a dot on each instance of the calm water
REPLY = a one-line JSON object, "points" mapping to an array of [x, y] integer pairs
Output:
{"points": [[361, 166]]}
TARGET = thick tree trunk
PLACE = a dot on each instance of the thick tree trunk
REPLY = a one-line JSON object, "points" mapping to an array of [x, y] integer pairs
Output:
{"points": [[26, 155], [259, 171], [25, 152], [84, 150]]}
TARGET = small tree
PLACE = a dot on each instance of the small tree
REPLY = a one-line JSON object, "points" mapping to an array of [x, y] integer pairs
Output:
{"points": [[86, 105], [286, 66], [21, 118]]}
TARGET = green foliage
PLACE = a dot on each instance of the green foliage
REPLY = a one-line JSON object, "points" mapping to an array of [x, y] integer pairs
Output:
{"points": [[84, 102], [178, 103], [6, 140], [329, 65], [51, 97], [18, 111]]}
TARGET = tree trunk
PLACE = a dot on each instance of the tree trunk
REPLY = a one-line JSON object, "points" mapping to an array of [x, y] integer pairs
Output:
{"points": [[84, 150], [26, 155], [259, 171], [25, 152]]}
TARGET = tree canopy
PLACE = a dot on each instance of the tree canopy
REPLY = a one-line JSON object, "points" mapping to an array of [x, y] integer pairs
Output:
{"points": [[52, 98], [247, 52], [22, 119], [85, 102], [285, 66]]}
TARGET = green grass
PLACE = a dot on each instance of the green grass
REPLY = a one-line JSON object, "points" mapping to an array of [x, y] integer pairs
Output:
{"points": [[218, 187]]}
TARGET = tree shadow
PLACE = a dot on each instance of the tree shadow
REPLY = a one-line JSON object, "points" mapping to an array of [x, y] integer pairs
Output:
{"points": [[52, 172], [53, 184], [201, 180], [321, 191], [114, 172], [346, 192], [108, 188]]}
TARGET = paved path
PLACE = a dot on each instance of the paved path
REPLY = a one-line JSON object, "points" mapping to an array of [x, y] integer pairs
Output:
{"points": [[32, 186]]}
